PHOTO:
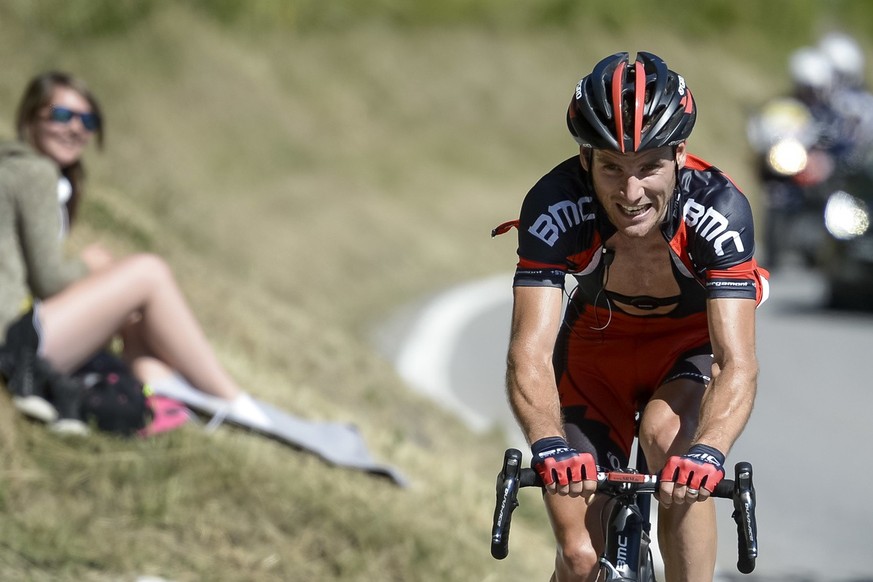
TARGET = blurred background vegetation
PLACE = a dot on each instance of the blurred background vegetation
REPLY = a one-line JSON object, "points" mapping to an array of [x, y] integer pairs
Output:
{"points": [[307, 167]]}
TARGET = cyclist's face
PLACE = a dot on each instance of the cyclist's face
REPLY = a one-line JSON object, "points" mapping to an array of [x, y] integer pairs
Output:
{"points": [[634, 189], [62, 141]]}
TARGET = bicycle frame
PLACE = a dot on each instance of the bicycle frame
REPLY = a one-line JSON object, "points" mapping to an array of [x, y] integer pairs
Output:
{"points": [[627, 554]]}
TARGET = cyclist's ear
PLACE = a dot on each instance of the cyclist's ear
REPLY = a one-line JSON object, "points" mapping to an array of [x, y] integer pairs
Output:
{"points": [[681, 155], [586, 158]]}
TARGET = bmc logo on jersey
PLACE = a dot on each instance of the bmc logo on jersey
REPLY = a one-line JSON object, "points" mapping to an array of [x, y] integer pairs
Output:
{"points": [[712, 226], [549, 226]]}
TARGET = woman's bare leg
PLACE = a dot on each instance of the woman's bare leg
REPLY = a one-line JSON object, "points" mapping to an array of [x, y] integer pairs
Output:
{"points": [[80, 319], [139, 357]]}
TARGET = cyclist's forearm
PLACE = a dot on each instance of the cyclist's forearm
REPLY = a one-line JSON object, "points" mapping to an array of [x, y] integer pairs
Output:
{"points": [[727, 405], [530, 376], [727, 401], [533, 397]]}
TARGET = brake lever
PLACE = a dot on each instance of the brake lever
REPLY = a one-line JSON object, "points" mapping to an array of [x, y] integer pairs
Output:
{"points": [[507, 500], [744, 516]]}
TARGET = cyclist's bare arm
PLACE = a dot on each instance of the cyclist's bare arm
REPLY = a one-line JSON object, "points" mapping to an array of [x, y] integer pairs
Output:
{"points": [[530, 376], [727, 404]]}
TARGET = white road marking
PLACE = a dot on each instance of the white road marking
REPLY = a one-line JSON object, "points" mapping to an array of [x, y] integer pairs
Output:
{"points": [[424, 360]]}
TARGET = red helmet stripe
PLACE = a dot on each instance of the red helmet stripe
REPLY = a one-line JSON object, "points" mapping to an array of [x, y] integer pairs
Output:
{"points": [[617, 84], [639, 102], [689, 101]]}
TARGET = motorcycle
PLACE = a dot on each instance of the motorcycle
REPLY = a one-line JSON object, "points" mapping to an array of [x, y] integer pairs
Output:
{"points": [[818, 203], [790, 168], [845, 256]]}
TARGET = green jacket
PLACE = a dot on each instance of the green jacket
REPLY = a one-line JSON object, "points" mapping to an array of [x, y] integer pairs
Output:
{"points": [[32, 259]]}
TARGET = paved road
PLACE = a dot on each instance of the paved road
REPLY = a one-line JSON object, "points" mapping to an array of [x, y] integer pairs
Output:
{"points": [[812, 413]]}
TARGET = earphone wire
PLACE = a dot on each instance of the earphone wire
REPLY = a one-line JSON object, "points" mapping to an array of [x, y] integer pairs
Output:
{"points": [[607, 253], [608, 302]]}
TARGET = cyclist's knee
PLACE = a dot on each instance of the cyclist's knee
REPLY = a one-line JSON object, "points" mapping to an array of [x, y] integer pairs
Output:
{"points": [[669, 421], [576, 562], [657, 439]]}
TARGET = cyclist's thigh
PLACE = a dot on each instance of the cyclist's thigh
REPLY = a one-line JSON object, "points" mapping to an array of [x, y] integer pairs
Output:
{"points": [[589, 433], [670, 418], [610, 380], [599, 400]]}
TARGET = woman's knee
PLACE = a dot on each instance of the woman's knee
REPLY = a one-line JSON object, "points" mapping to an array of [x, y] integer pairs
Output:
{"points": [[148, 268]]}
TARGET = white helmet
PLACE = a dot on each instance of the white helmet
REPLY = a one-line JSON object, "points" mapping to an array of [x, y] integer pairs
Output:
{"points": [[845, 56], [811, 69]]}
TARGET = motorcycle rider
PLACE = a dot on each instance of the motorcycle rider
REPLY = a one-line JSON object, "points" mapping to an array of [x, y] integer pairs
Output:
{"points": [[849, 98], [796, 140]]}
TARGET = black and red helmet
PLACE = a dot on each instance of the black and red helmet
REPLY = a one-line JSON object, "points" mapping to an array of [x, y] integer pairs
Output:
{"points": [[631, 106]]}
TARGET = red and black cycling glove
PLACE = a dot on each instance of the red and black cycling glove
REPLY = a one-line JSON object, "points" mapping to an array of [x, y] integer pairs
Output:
{"points": [[555, 461], [702, 466]]}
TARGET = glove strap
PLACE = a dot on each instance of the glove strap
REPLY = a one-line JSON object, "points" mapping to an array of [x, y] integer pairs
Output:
{"points": [[549, 447], [706, 454]]}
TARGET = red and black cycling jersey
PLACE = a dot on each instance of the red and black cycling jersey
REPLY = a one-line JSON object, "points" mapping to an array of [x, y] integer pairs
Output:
{"points": [[609, 361], [708, 228]]}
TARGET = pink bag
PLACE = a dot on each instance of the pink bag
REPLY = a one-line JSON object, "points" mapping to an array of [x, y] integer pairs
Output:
{"points": [[167, 415]]}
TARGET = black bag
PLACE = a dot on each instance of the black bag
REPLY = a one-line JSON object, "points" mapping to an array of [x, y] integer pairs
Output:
{"points": [[104, 391], [113, 397]]}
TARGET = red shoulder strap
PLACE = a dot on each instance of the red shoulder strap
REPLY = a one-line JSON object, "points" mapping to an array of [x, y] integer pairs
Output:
{"points": [[504, 228]]}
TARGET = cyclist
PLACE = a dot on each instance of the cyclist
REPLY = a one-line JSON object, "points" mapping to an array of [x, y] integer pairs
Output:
{"points": [[661, 245]]}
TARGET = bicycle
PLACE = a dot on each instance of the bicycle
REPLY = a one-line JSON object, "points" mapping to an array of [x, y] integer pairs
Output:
{"points": [[627, 556]]}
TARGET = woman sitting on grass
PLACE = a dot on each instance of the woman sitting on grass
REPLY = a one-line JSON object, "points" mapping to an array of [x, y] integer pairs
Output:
{"points": [[79, 305]]}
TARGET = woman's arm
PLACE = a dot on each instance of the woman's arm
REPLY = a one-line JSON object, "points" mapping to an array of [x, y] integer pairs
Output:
{"points": [[34, 183]]}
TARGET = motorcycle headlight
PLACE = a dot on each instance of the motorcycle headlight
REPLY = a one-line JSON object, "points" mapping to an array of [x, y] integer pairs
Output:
{"points": [[846, 216], [787, 157]]}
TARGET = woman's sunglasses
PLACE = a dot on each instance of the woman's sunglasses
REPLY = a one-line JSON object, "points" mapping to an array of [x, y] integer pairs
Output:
{"points": [[90, 121]]}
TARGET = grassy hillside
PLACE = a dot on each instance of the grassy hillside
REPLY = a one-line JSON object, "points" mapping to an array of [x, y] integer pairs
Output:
{"points": [[305, 176]]}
